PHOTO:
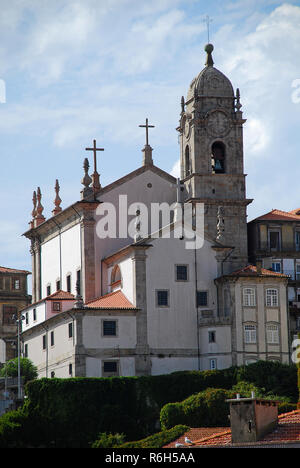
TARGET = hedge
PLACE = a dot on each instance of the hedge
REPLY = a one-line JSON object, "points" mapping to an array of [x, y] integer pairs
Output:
{"points": [[72, 412], [159, 439], [205, 409]]}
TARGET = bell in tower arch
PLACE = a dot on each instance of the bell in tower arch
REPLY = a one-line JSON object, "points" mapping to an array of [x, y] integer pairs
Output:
{"points": [[218, 156]]}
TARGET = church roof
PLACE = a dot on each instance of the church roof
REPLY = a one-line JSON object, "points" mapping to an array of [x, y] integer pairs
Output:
{"points": [[279, 215], [287, 431], [59, 295], [114, 300], [13, 271]]}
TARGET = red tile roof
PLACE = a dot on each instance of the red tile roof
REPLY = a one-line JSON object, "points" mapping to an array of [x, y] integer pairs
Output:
{"points": [[279, 215], [13, 270], [287, 431], [251, 270], [114, 300], [59, 295]]}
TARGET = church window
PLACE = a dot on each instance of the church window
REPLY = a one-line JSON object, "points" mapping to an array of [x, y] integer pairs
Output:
{"points": [[110, 368], [109, 328], [250, 334], [272, 298], [162, 298], [187, 161], [70, 330], [78, 281], [218, 157], [44, 338], [116, 275], [274, 240], [34, 314], [202, 298], [272, 334], [70, 369], [69, 283], [249, 297], [26, 350], [212, 336], [181, 272]]}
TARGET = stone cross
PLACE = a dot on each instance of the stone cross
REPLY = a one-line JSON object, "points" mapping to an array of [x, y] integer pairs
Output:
{"points": [[207, 20], [96, 183], [147, 126]]}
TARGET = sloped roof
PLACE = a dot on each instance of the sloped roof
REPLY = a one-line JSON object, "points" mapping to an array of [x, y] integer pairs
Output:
{"points": [[114, 300], [279, 215], [287, 431], [251, 270], [59, 295], [13, 270]]}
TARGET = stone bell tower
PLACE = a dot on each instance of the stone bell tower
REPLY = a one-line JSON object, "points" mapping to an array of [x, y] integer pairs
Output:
{"points": [[211, 147]]}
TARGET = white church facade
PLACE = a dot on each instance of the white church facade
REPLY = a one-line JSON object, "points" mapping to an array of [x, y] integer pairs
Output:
{"points": [[118, 291]]}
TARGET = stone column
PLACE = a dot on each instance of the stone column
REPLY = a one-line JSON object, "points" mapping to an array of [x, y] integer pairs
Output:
{"points": [[88, 256], [142, 358]]}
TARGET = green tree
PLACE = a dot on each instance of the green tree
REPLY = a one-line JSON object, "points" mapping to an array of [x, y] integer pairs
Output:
{"points": [[27, 368]]}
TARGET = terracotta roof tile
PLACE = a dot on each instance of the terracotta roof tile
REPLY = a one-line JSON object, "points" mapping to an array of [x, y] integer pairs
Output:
{"points": [[13, 270], [280, 215], [251, 270], [60, 295], [287, 431], [114, 300]]}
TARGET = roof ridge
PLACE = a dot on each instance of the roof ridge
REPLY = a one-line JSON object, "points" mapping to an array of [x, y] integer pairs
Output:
{"points": [[105, 295]]}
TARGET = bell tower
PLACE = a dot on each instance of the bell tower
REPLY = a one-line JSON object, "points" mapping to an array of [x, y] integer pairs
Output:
{"points": [[211, 156]]}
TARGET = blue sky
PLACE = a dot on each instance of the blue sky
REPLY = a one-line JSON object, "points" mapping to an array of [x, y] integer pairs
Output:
{"points": [[79, 70]]}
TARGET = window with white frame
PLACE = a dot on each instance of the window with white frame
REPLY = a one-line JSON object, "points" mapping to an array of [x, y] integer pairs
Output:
{"points": [[250, 334], [276, 266], [298, 271], [272, 298], [272, 334], [213, 364], [249, 297]]}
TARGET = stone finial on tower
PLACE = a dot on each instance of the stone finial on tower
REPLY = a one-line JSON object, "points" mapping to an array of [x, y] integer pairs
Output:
{"points": [[182, 104], [39, 218], [209, 60], [57, 200], [86, 180], [79, 304], [33, 213]]}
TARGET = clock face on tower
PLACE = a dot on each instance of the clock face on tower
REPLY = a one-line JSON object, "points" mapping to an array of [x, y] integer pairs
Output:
{"points": [[218, 124]]}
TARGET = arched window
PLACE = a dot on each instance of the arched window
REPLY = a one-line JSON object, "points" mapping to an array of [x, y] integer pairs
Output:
{"points": [[116, 276], [187, 161], [218, 157]]}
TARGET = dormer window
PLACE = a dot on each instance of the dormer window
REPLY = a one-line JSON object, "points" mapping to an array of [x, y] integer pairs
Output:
{"points": [[218, 157]]}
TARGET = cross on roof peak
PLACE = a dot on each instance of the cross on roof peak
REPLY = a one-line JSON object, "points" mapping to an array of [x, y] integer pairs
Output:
{"points": [[147, 126]]}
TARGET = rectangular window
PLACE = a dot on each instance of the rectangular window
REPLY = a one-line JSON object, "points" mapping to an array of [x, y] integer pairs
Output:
{"points": [[272, 298], [52, 338], [9, 314], [162, 298], [276, 266], [34, 315], [57, 285], [109, 327], [298, 241], [274, 240], [181, 273], [69, 283], [16, 283], [211, 336], [202, 300], [110, 368], [297, 272], [249, 298], [70, 369], [49, 290], [272, 334], [26, 350], [56, 306], [26, 318], [70, 330], [250, 334], [44, 341], [213, 364]]}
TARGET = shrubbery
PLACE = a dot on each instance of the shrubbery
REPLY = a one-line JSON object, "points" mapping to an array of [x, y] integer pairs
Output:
{"points": [[159, 439]]}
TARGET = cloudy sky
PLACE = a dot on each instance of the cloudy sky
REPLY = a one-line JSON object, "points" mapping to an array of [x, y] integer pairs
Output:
{"points": [[75, 70]]}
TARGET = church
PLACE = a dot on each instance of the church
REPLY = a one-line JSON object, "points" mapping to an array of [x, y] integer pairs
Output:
{"points": [[149, 274]]}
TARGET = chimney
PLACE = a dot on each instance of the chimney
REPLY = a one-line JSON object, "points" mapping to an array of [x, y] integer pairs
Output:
{"points": [[252, 418]]}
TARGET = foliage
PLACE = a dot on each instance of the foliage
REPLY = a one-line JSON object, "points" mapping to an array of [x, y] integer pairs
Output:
{"points": [[108, 440], [159, 439], [286, 407], [205, 409], [27, 369]]}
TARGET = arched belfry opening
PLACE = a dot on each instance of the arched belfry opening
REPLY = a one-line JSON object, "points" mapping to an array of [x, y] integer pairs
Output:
{"points": [[218, 157], [187, 161]]}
